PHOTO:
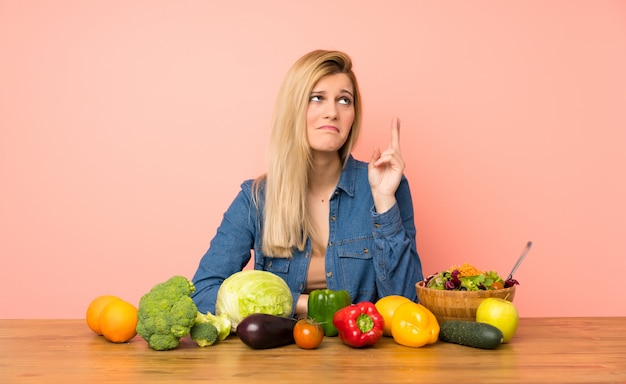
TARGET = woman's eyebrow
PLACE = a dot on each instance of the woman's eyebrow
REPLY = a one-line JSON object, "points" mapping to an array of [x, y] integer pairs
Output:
{"points": [[341, 91], [348, 92]]}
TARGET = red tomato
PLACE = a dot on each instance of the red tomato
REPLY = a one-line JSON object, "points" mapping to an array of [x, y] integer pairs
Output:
{"points": [[308, 334], [497, 285]]}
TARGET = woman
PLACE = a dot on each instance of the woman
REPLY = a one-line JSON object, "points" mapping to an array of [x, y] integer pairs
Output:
{"points": [[320, 218]]}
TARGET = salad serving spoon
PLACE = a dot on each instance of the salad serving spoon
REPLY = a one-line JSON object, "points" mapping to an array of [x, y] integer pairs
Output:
{"points": [[521, 258]]}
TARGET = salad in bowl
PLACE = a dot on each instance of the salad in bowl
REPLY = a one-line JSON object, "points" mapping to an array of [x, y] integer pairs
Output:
{"points": [[466, 277]]}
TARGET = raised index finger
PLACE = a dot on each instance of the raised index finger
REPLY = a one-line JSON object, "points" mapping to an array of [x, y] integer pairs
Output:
{"points": [[395, 134]]}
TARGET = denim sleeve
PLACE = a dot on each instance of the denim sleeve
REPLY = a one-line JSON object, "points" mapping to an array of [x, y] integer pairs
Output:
{"points": [[229, 251], [396, 262]]}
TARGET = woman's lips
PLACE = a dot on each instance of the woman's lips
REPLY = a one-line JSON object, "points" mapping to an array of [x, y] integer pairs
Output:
{"points": [[329, 128]]}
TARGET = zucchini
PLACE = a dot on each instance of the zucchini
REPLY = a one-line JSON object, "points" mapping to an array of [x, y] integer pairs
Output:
{"points": [[471, 334]]}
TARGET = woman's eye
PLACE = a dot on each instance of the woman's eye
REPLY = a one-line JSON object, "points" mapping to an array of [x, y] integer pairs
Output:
{"points": [[316, 98], [345, 101]]}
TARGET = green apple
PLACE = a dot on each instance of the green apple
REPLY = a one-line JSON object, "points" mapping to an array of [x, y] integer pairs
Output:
{"points": [[500, 313]]}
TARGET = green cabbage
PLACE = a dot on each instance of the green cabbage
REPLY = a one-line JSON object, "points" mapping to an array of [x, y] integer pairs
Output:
{"points": [[253, 291]]}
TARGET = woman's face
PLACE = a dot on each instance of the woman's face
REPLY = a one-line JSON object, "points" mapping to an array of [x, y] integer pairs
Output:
{"points": [[330, 113]]}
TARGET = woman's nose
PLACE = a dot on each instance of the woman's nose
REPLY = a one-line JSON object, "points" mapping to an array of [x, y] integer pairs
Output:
{"points": [[331, 111]]}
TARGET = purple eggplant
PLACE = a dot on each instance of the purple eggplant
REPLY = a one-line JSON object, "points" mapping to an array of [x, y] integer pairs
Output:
{"points": [[262, 331]]}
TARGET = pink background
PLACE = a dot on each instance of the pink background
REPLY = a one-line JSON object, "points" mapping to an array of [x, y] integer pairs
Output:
{"points": [[127, 126]]}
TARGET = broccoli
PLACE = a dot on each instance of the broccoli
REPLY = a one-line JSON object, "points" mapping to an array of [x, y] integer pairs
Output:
{"points": [[221, 323], [203, 333], [167, 313]]}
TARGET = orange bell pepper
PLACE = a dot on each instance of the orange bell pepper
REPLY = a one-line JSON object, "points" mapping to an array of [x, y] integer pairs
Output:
{"points": [[414, 325]]}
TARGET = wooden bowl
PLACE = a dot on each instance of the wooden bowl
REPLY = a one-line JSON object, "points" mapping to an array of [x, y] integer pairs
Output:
{"points": [[457, 305]]}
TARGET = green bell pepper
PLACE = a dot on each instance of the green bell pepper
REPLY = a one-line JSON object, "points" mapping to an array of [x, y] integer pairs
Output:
{"points": [[322, 305]]}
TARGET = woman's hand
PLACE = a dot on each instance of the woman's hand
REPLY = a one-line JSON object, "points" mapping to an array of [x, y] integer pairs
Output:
{"points": [[302, 306], [385, 171]]}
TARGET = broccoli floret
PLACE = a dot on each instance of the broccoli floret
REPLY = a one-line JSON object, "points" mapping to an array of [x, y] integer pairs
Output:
{"points": [[221, 323], [204, 334], [167, 313]]}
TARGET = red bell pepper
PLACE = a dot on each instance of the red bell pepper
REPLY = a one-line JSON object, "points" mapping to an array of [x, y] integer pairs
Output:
{"points": [[359, 325]]}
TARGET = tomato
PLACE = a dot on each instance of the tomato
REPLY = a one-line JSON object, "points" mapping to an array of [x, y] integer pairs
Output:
{"points": [[308, 334], [497, 285]]}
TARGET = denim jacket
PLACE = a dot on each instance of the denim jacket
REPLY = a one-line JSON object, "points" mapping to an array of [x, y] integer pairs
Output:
{"points": [[369, 254]]}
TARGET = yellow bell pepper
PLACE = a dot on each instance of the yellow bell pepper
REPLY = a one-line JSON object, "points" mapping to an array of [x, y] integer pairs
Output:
{"points": [[414, 325]]}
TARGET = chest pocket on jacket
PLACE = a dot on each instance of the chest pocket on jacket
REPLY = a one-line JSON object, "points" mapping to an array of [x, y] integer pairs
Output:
{"points": [[362, 248], [274, 264]]}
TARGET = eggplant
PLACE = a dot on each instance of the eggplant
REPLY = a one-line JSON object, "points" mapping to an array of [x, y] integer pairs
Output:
{"points": [[263, 331]]}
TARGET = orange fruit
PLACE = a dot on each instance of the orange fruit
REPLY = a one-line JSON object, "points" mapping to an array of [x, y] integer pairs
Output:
{"points": [[118, 321], [94, 310], [386, 306]]}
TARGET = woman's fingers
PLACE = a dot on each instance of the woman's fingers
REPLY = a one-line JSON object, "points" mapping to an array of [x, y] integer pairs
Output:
{"points": [[393, 150], [395, 134], [385, 170]]}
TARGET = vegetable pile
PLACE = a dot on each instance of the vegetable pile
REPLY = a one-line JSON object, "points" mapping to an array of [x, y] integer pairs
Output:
{"points": [[257, 305], [466, 277]]}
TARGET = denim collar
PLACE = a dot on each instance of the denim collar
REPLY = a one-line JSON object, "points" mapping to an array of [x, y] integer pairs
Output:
{"points": [[347, 181]]}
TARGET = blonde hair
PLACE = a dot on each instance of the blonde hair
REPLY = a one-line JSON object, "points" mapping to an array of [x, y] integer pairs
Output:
{"points": [[286, 223]]}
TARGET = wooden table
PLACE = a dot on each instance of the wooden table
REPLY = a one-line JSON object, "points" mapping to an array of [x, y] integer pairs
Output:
{"points": [[549, 350]]}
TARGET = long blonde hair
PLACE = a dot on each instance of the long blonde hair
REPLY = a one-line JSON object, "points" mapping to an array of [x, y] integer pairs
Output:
{"points": [[286, 223]]}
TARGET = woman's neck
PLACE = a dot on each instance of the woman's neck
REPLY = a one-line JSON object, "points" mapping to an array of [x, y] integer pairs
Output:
{"points": [[324, 174]]}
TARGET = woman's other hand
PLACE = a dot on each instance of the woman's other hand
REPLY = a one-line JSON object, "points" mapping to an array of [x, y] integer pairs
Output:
{"points": [[385, 171]]}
